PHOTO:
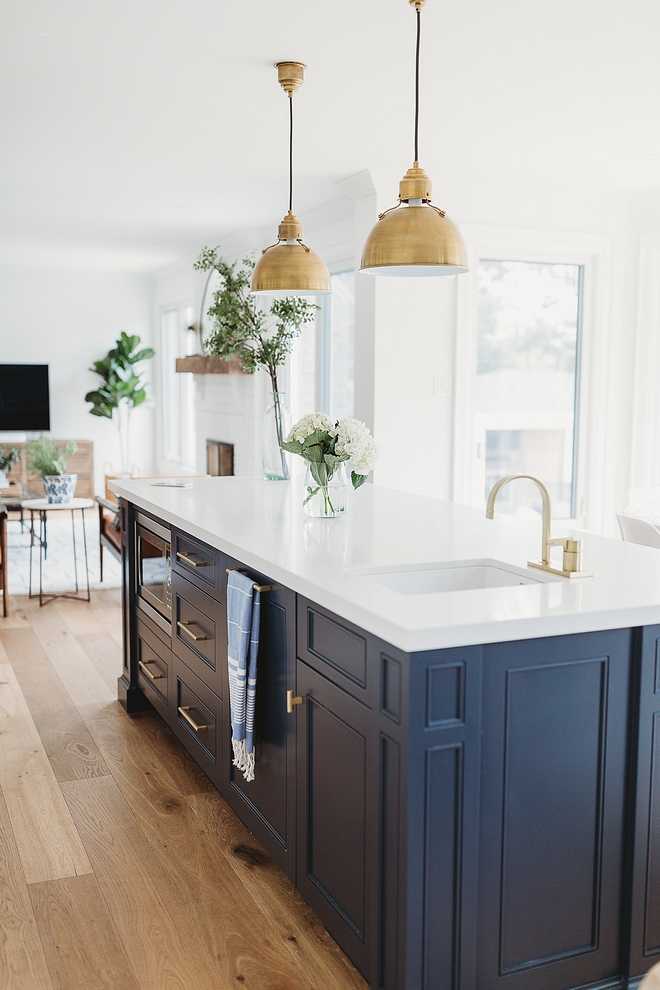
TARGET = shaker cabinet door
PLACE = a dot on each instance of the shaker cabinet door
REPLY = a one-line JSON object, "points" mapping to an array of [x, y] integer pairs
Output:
{"points": [[553, 807], [645, 914], [267, 803], [337, 814]]}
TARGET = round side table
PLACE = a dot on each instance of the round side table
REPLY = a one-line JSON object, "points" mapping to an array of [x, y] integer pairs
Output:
{"points": [[41, 507]]}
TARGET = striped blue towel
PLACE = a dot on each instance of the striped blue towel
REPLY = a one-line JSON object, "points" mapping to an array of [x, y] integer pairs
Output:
{"points": [[243, 645]]}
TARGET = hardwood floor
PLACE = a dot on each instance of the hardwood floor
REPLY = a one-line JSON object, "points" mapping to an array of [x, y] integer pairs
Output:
{"points": [[121, 867]]}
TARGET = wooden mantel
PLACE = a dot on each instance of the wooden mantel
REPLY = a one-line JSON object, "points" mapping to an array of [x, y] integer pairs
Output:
{"points": [[198, 364]]}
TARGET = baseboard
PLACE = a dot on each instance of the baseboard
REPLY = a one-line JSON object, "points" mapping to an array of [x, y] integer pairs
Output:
{"points": [[131, 698]]}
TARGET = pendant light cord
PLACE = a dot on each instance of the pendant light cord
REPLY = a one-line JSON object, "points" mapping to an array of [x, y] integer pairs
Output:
{"points": [[419, 27], [291, 154]]}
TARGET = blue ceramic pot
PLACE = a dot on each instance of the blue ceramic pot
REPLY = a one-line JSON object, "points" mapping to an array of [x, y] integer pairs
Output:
{"points": [[59, 488]]}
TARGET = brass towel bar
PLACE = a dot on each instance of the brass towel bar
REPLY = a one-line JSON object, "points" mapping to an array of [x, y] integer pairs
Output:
{"points": [[257, 587]]}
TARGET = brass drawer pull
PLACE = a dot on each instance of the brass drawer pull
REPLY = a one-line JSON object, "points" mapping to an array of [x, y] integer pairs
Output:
{"points": [[145, 670], [291, 701], [185, 557], [257, 587], [183, 626], [183, 711]]}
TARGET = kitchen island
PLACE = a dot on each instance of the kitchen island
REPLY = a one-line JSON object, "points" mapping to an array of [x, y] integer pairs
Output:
{"points": [[463, 782]]}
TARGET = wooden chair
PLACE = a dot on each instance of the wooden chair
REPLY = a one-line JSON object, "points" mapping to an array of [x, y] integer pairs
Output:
{"points": [[3, 561], [109, 531], [634, 530]]}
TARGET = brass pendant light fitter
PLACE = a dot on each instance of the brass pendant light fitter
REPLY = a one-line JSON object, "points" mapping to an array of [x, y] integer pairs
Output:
{"points": [[416, 238], [289, 267]]}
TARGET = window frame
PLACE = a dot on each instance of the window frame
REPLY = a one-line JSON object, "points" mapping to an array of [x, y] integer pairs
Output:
{"points": [[172, 400], [324, 351], [592, 496]]}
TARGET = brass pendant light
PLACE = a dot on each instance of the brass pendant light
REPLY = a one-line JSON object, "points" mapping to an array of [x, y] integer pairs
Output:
{"points": [[418, 238], [289, 267]]}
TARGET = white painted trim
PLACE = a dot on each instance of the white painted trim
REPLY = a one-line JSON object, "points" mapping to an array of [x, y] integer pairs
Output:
{"points": [[645, 447], [595, 254]]}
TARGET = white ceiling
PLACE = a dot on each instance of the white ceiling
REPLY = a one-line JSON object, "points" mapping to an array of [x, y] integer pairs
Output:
{"points": [[134, 131]]}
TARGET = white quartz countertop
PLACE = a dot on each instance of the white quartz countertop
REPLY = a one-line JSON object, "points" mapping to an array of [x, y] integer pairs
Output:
{"points": [[263, 525]]}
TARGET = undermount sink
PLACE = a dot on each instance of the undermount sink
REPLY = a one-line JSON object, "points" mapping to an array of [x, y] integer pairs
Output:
{"points": [[454, 575]]}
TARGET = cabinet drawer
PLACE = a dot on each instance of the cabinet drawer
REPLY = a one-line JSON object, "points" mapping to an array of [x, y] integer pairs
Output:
{"points": [[199, 635], [197, 720], [200, 563], [336, 648], [154, 669]]}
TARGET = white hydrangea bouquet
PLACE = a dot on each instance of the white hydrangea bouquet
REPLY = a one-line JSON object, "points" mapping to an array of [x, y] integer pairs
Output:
{"points": [[327, 446]]}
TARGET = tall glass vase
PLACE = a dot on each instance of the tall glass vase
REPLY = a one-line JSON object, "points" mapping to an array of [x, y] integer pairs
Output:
{"points": [[276, 426], [326, 491]]}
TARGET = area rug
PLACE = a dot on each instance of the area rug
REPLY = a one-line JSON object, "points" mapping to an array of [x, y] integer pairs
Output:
{"points": [[58, 567]]}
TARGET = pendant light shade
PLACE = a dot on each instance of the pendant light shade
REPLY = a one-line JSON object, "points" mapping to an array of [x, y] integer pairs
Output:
{"points": [[289, 267], [414, 237]]}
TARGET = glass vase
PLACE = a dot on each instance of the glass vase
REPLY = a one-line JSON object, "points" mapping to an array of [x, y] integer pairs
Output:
{"points": [[276, 426], [326, 491]]}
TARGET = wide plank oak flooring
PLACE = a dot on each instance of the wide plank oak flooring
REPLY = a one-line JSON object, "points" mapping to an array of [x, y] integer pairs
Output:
{"points": [[121, 867]]}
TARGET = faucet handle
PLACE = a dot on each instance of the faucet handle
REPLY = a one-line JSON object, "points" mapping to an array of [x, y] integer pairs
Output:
{"points": [[572, 559]]}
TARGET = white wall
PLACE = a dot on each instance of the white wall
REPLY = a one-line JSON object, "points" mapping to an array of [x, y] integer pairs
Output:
{"points": [[68, 319]]}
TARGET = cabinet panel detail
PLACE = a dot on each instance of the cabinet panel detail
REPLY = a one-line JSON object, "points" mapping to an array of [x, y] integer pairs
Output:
{"points": [[389, 854], [553, 773], [336, 825], [154, 665], [338, 646], [200, 721], [656, 684], [198, 562], [652, 913], [445, 695], [199, 633], [442, 857], [391, 687], [267, 793]]}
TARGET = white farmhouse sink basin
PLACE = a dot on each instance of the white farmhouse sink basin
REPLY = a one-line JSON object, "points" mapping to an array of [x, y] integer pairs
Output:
{"points": [[454, 575]]}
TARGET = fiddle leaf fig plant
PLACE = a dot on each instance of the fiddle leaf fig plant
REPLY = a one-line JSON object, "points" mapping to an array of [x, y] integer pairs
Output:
{"points": [[121, 388], [118, 379]]}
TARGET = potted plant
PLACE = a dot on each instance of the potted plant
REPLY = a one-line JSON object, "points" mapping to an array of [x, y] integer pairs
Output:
{"points": [[47, 458], [327, 446], [8, 457], [243, 330], [121, 389]]}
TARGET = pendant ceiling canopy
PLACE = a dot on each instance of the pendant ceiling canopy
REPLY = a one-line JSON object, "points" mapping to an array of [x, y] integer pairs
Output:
{"points": [[289, 267], [414, 237]]}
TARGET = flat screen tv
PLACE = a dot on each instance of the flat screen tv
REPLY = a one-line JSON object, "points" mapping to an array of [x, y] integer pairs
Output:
{"points": [[24, 397]]}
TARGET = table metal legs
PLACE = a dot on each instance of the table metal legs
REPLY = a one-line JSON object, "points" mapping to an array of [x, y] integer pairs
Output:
{"points": [[78, 594]]}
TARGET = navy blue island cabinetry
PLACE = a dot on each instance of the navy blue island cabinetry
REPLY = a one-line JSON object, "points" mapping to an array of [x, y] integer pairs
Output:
{"points": [[460, 819]]}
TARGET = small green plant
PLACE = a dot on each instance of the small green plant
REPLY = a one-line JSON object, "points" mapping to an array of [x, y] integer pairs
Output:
{"points": [[46, 456], [8, 457]]}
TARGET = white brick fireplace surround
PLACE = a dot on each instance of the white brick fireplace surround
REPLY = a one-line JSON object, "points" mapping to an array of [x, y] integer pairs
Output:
{"points": [[230, 408]]}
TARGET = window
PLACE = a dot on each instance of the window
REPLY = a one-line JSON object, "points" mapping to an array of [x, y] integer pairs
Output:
{"points": [[322, 365], [337, 371], [527, 385], [178, 390]]}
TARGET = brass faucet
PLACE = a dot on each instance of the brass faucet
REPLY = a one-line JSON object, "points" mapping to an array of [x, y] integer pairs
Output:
{"points": [[572, 559]]}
